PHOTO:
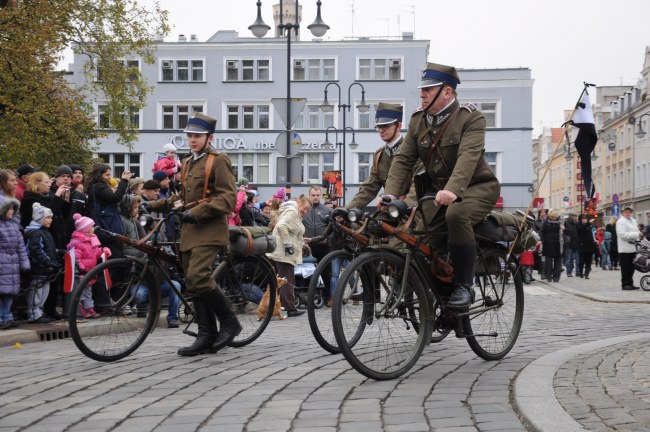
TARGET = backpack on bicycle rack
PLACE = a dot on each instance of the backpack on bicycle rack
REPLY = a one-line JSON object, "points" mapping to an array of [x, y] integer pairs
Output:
{"points": [[504, 226]]}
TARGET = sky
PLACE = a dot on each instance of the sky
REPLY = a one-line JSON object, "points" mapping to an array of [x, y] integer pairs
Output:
{"points": [[563, 42]]}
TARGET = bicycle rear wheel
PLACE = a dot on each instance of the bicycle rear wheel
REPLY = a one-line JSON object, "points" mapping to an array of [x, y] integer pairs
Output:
{"points": [[245, 281], [384, 337], [320, 320], [495, 318], [114, 335]]}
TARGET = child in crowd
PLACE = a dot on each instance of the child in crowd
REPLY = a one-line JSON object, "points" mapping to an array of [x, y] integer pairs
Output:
{"points": [[13, 257], [88, 250], [169, 162], [44, 260]]}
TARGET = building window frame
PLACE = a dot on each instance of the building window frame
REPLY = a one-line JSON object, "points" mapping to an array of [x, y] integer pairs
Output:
{"points": [[127, 63], [380, 68], [307, 68], [256, 167], [247, 69], [120, 162], [247, 116], [102, 121], [170, 69], [173, 115], [492, 114]]}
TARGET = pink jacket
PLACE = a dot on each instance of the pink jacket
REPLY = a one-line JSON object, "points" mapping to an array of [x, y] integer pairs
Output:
{"points": [[170, 166], [233, 218], [88, 250]]}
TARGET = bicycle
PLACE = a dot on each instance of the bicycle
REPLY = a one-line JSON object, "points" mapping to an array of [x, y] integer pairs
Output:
{"points": [[404, 301], [320, 321], [115, 335]]}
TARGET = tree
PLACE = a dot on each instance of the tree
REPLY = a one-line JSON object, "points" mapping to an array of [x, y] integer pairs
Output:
{"points": [[43, 120]]}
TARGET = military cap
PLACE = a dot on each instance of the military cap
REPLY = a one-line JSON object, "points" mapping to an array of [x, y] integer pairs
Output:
{"points": [[200, 124], [388, 113], [436, 74]]}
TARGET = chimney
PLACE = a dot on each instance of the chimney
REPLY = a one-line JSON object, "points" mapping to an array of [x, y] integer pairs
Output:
{"points": [[182, 38], [193, 38]]}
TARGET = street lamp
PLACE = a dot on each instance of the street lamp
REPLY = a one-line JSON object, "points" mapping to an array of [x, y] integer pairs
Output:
{"points": [[259, 29], [640, 133], [363, 107]]}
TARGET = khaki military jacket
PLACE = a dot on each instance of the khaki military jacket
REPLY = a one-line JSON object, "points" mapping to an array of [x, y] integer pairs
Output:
{"points": [[381, 162], [211, 228], [457, 161]]}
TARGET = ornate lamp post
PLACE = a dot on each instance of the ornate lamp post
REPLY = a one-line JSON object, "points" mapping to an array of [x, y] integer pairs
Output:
{"points": [[328, 107], [259, 28]]}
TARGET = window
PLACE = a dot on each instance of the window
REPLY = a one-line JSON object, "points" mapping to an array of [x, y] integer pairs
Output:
{"points": [[248, 116], [364, 162], [314, 69], [491, 112], [315, 163], [253, 166], [182, 70], [103, 121], [176, 116], [132, 65], [248, 70], [313, 118], [381, 69], [120, 162]]}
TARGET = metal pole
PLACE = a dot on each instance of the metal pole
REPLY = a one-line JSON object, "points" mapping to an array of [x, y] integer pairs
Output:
{"points": [[343, 170], [288, 102]]}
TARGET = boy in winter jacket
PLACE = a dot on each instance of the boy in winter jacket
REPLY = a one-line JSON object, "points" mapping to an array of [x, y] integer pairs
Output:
{"points": [[44, 259], [13, 257], [88, 250]]}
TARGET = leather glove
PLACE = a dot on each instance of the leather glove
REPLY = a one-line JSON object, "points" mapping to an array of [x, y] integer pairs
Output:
{"points": [[188, 217], [288, 249]]}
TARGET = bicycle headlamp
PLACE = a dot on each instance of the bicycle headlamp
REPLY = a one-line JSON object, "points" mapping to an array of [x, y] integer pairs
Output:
{"points": [[354, 215], [397, 209]]}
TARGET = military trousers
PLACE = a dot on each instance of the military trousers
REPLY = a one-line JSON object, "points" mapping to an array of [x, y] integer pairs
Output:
{"points": [[198, 265], [455, 223]]}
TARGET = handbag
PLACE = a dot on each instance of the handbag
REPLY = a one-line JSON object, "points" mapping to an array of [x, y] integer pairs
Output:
{"points": [[107, 217]]}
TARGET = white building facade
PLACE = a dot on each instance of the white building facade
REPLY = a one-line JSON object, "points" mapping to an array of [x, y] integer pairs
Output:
{"points": [[234, 80]]}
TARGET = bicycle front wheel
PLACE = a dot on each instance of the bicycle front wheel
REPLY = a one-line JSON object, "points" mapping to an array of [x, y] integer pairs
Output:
{"points": [[383, 337], [116, 332], [320, 320], [246, 281], [494, 320]]}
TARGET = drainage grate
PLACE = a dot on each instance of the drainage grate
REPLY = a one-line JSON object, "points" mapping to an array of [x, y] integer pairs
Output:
{"points": [[50, 335]]}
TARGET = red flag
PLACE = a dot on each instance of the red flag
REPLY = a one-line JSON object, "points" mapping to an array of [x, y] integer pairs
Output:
{"points": [[69, 269]]}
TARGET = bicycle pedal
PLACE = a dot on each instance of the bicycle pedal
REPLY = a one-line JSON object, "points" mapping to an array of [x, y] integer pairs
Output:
{"points": [[190, 333]]}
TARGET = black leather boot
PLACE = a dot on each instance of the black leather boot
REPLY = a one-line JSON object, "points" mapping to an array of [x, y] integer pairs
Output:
{"points": [[463, 257], [229, 326], [207, 334]]}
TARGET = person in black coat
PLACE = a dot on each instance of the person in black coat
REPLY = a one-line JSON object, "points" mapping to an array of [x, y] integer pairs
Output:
{"points": [[613, 251], [571, 253], [550, 234], [587, 245]]}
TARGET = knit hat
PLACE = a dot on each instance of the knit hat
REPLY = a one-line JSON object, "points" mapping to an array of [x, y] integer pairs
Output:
{"points": [[280, 194], [160, 175], [169, 147], [82, 223], [63, 170], [24, 170], [243, 181], [40, 212], [151, 185]]}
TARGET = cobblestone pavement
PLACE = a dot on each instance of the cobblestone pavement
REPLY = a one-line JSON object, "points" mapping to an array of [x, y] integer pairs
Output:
{"points": [[285, 382]]}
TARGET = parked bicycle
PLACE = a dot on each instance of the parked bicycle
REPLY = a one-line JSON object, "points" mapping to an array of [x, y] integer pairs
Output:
{"points": [[115, 335], [404, 301]]}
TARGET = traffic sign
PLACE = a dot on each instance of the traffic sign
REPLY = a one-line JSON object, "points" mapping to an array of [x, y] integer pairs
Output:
{"points": [[616, 210], [295, 143], [297, 105], [615, 198]]}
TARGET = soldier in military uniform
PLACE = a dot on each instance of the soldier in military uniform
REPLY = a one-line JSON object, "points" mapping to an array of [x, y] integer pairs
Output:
{"points": [[450, 140], [388, 121], [204, 233]]}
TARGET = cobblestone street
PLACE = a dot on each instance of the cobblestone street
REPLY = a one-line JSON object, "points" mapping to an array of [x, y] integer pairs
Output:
{"points": [[285, 382]]}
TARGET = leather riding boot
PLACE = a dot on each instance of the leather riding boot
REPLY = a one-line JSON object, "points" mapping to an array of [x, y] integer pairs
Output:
{"points": [[463, 257], [229, 326], [207, 334]]}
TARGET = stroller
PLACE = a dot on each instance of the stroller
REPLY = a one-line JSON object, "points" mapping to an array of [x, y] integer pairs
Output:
{"points": [[642, 262], [303, 274]]}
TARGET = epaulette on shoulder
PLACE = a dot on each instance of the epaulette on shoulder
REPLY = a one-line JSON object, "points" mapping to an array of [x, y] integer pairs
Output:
{"points": [[380, 149], [419, 110], [469, 107]]}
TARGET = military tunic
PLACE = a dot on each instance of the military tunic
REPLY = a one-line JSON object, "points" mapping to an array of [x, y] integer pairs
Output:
{"points": [[381, 162], [200, 243], [456, 163]]}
